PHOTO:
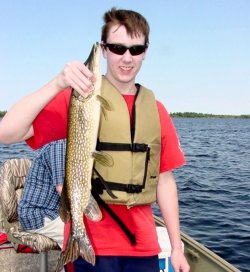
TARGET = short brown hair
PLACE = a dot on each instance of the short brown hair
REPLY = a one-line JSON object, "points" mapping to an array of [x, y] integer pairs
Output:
{"points": [[135, 24]]}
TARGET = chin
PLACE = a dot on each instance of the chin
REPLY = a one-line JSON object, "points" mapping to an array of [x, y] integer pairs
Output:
{"points": [[126, 78]]}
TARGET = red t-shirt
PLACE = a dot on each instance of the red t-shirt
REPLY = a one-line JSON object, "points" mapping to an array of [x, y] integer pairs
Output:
{"points": [[106, 236]]}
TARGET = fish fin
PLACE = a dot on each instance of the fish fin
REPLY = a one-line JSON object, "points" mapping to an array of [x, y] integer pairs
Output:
{"points": [[77, 247], [104, 113], [67, 255], [86, 249], [103, 158], [60, 263], [64, 205], [64, 215], [104, 103], [92, 211]]}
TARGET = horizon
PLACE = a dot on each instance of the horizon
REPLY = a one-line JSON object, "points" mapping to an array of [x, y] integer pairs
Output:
{"points": [[198, 58], [188, 113]]}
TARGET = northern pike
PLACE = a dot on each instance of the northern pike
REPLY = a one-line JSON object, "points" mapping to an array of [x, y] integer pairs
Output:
{"points": [[76, 200]]}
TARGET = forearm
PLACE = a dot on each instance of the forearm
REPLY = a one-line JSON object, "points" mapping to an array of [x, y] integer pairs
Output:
{"points": [[16, 125], [167, 199]]}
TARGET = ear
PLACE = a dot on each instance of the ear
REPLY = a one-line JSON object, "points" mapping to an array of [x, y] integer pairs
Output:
{"points": [[104, 51], [145, 53]]}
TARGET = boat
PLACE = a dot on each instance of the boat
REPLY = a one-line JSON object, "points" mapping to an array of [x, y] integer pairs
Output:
{"points": [[200, 258]]}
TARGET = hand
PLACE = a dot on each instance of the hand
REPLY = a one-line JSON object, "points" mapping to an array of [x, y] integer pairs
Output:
{"points": [[179, 261], [76, 75], [59, 189]]}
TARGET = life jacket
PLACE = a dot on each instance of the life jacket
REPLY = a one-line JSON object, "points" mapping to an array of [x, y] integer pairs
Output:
{"points": [[134, 146]]}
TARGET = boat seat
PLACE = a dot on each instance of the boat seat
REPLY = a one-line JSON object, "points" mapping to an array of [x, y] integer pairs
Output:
{"points": [[12, 179]]}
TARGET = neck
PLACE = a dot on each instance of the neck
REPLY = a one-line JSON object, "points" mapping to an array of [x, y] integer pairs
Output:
{"points": [[123, 88], [131, 90]]}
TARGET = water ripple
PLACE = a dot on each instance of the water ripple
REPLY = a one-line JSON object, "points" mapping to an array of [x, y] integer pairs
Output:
{"points": [[214, 186]]}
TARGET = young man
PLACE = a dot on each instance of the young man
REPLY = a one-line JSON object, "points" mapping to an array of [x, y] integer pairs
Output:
{"points": [[42, 117]]}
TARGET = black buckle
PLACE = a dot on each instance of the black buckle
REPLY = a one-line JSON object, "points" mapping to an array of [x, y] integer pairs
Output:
{"points": [[134, 189], [139, 147]]}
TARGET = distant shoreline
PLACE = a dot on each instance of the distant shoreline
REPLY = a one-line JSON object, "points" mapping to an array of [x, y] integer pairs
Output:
{"points": [[206, 115], [190, 115], [2, 113]]}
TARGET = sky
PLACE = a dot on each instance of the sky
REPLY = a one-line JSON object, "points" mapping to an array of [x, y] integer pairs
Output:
{"points": [[198, 58]]}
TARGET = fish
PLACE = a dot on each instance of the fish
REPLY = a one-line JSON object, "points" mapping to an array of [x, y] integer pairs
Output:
{"points": [[76, 198]]}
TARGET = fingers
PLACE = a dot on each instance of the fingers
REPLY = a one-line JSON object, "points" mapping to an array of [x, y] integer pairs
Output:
{"points": [[179, 262], [76, 75]]}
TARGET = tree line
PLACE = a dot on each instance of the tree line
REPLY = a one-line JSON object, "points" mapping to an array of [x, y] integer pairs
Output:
{"points": [[206, 115], [2, 113], [190, 115]]}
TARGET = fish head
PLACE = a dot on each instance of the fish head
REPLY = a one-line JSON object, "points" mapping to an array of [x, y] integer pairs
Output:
{"points": [[93, 63]]}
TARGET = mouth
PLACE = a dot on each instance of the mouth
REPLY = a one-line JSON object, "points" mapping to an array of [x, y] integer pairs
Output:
{"points": [[126, 68]]}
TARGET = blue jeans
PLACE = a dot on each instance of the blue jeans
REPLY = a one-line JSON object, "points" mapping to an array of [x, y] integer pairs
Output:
{"points": [[118, 264]]}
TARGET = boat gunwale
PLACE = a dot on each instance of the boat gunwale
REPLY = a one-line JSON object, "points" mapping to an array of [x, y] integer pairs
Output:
{"points": [[190, 243]]}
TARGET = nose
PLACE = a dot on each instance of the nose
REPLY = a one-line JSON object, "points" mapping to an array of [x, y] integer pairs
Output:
{"points": [[127, 56]]}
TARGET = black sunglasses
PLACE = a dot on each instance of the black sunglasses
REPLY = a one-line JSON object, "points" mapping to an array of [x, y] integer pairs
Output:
{"points": [[119, 49]]}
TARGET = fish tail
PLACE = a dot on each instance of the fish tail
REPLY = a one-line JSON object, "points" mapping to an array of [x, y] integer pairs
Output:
{"points": [[77, 247], [86, 249]]}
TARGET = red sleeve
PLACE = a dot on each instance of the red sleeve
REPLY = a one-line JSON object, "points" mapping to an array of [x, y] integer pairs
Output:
{"points": [[51, 123], [171, 153]]}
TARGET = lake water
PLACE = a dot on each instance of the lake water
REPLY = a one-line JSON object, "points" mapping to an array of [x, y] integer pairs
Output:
{"points": [[214, 185]]}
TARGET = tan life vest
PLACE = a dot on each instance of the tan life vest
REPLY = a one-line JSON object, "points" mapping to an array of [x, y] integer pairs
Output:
{"points": [[134, 146]]}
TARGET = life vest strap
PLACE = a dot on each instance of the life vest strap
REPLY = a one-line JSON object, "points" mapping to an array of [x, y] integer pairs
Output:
{"points": [[129, 188], [115, 217], [133, 147]]}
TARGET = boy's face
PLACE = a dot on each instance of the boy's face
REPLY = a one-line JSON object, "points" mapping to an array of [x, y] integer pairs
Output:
{"points": [[122, 69]]}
